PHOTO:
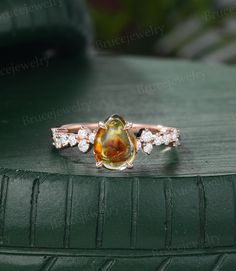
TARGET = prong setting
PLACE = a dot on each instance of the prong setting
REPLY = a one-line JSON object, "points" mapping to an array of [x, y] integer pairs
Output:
{"points": [[102, 125], [99, 164], [128, 126], [129, 165], [115, 135]]}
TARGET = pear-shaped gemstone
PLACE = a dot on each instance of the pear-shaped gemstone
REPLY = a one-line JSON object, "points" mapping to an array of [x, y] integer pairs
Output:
{"points": [[114, 146]]}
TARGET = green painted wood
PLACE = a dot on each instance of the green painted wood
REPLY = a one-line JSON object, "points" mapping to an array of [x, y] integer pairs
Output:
{"points": [[173, 211]]}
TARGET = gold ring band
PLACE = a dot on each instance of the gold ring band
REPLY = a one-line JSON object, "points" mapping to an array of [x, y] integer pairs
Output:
{"points": [[115, 141]]}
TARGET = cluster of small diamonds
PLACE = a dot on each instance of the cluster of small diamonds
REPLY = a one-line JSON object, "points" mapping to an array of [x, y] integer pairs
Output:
{"points": [[166, 136], [84, 138]]}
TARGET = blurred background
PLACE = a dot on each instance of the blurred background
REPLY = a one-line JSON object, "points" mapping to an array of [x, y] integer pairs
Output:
{"points": [[196, 29]]}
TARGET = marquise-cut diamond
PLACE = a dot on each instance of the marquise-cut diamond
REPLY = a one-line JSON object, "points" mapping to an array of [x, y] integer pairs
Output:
{"points": [[167, 139], [147, 148], [83, 145], [83, 133], [157, 139], [146, 136], [72, 140]]}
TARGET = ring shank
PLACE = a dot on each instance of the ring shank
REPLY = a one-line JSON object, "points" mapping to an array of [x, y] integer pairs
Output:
{"points": [[136, 127]]}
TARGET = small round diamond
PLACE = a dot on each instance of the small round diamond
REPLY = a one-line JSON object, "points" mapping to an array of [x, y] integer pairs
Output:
{"points": [[157, 140], [64, 140], [83, 133], [57, 142], [83, 145], [166, 139], [175, 135], [92, 137], [148, 148], [146, 136], [72, 140], [60, 141]]}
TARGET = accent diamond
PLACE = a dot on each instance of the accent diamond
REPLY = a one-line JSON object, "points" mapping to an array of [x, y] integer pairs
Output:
{"points": [[157, 139], [60, 141], [72, 140], [83, 145], [146, 136], [57, 142], [167, 139], [175, 135], [83, 133], [92, 137], [148, 148]]}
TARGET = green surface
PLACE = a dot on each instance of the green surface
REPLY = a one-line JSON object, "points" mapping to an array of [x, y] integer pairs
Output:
{"points": [[198, 99], [173, 211]]}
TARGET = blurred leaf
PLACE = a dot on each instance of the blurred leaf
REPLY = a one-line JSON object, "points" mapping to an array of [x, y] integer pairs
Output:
{"points": [[109, 25]]}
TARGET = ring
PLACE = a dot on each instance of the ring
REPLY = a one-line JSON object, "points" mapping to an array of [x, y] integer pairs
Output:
{"points": [[115, 141]]}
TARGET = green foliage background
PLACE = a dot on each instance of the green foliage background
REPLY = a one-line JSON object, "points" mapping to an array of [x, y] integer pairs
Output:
{"points": [[136, 15], [113, 19]]}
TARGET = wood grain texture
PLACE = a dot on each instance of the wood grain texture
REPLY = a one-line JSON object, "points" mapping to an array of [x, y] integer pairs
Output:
{"points": [[173, 211]]}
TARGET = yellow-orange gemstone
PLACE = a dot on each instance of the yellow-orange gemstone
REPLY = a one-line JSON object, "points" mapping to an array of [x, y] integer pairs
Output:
{"points": [[115, 147]]}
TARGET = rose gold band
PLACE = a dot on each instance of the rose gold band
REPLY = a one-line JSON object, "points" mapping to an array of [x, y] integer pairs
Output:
{"points": [[115, 142], [136, 127], [83, 134]]}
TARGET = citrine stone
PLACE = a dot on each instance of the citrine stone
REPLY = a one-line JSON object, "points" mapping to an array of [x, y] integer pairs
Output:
{"points": [[114, 146]]}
